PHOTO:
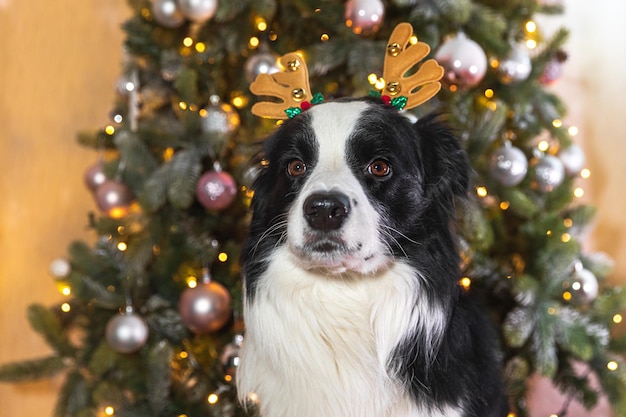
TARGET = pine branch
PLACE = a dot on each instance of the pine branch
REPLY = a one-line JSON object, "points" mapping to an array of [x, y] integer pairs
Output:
{"points": [[32, 369], [44, 321]]}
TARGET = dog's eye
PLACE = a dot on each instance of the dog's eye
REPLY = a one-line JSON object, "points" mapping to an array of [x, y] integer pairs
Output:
{"points": [[296, 168], [379, 168]]}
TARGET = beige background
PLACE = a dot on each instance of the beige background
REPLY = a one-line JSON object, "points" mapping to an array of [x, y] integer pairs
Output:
{"points": [[59, 62]]}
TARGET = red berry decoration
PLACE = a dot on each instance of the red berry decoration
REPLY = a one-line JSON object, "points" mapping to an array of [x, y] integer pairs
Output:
{"points": [[216, 190]]}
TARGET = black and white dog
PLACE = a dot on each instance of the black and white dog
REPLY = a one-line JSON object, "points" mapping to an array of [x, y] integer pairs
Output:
{"points": [[352, 302]]}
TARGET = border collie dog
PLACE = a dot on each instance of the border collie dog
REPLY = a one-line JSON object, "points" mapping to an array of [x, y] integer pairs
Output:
{"points": [[352, 304]]}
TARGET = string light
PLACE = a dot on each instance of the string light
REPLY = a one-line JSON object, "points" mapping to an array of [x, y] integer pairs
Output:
{"points": [[504, 205], [261, 24], [254, 42], [187, 41], [572, 130], [222, 257], [531, 27], [557, 123], [413, 40], [543, 146], [65, 307], [118, 118], [324, 37], [109, 411], [183, 355], [531, 44], [213, 398], [617, 319], [65, 290], [109, 130], [122, 246], [200, 47], [465, 282], [192, 282], [494, 63], [489, 93], [168, 153], [481, 191], [567, 295], [566, 237], [585, 173], [182, 105], [612, 366], [579, 192], [568, 222]]}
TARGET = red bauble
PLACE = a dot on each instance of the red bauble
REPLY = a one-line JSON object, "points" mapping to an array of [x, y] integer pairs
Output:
{"points": [[205, 308], [216, 190]]}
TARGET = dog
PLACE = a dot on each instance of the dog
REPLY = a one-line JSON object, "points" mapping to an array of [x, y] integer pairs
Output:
{"points": [[352, 304]]}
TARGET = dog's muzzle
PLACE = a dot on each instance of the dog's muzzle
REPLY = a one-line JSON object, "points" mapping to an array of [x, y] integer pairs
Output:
{"points": [[326, 212]]}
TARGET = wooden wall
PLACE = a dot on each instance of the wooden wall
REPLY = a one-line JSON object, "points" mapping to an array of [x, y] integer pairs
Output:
{"points": [[59, 63]]}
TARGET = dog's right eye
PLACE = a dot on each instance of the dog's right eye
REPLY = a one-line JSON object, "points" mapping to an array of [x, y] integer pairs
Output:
{"points": [[296, 168]]}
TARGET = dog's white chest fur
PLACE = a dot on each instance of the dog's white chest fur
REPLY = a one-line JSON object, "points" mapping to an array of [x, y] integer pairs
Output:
{"points": [[319, 346]]}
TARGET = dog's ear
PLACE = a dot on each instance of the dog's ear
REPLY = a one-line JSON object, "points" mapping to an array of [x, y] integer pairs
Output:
{"points": [[446, 165]]}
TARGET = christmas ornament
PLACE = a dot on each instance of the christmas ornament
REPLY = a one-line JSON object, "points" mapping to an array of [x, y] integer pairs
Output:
{"points": [[167, 13], [364, 16], [583, 285], [127, 332], [94, 176], [516, 66], [229, 359], [508, 165], [464, 61], [264, 62], [554, 68], [114, 198], [219, 117], [573, 159], [60, 268], [198, 10], [216, 189], [205, 308], [549, 173]]}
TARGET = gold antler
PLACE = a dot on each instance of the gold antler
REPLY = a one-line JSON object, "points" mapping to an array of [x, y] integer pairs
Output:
{"points": [[399, 59], [291, 86]]}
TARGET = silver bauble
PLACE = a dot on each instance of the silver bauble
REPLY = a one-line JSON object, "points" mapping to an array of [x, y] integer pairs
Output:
{"points": [[508, 165], [516, 66], [198, 10], [94, 176], [230, 357], [463, 60], [549, 173], [573, 159], [261, 63], [167, 13], [126, 333], [219, 118], [205, 308], [60, 268], [583, 286], [114, 198], [364, 16]]}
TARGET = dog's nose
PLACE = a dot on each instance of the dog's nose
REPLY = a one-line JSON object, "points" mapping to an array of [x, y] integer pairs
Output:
{"points": [[326, 211]]}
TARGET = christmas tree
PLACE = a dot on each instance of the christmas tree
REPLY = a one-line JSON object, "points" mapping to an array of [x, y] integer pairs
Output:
{"points": [[152, 320]]}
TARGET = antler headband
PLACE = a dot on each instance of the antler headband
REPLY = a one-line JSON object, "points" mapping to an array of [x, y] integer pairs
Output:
{"points": [[291, 86]]}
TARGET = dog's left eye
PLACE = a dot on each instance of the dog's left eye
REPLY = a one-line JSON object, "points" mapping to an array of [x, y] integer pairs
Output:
{"points": [[379, 168], [296, 168]]}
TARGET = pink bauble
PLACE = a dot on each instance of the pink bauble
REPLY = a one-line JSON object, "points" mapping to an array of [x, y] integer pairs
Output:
{"points": [[94, 176], [364, 16], [216, 190], [114, 198], [463, 60], [205, 308]]}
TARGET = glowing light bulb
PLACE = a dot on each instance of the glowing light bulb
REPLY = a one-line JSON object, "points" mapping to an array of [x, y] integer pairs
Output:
{"points": [[213, 398], [65, 307], [222, 256], [612, 366], [109, 411], [489, 93], [187, 41], [481, 191], [617, 319], [531, 26]]}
